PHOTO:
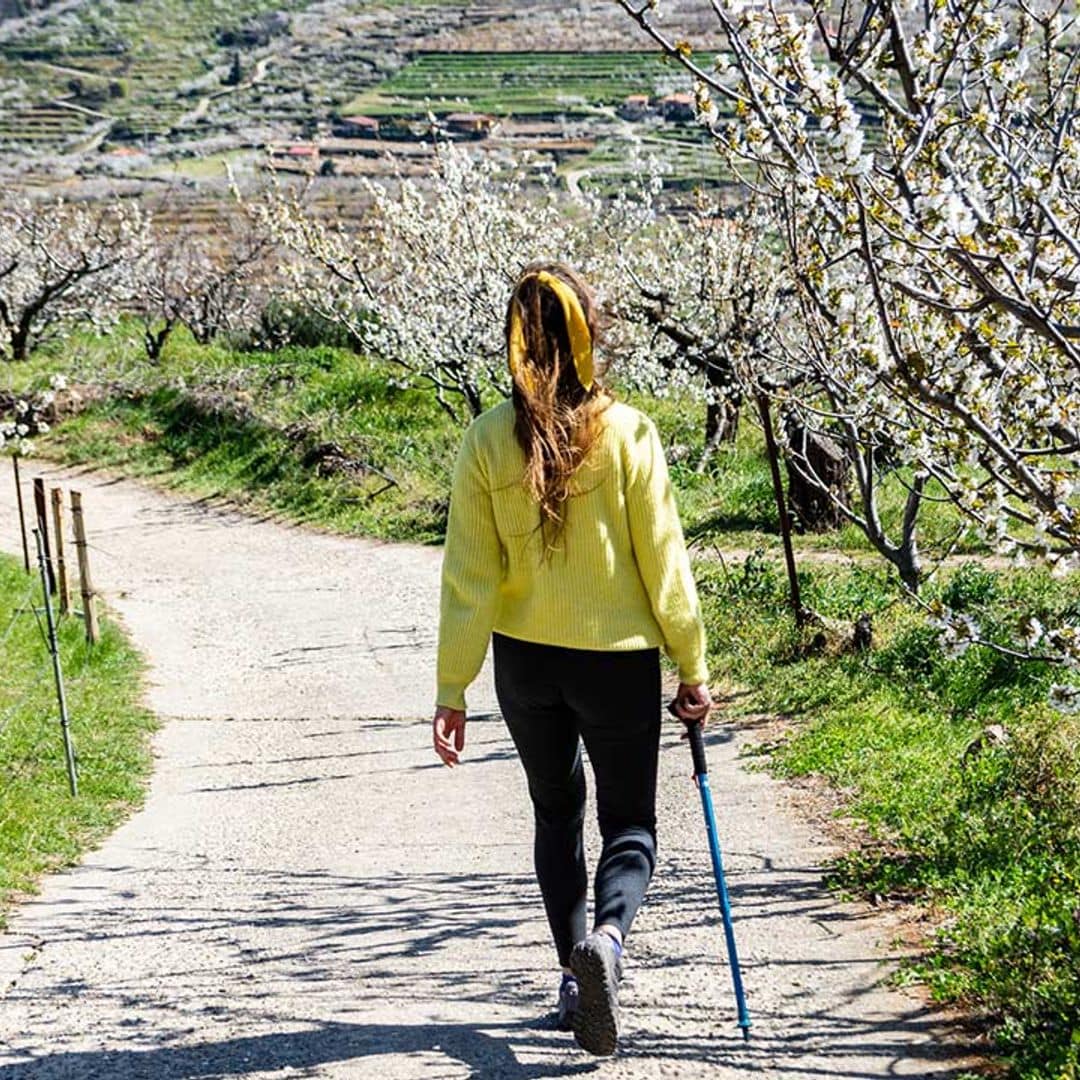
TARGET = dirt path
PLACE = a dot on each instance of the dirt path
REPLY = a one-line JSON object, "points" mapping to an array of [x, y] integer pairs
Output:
{"points": [[307, 894], [262, 65]]}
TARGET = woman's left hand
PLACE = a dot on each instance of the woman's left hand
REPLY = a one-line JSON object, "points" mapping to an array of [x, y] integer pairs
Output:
{"points": [[448, 732]]}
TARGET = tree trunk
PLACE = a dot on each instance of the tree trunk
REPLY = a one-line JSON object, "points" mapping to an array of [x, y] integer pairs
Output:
{"points": [[773, 455], [908, 561], [721, 426], [154, 340], [472, 399], [910, 574], [817, 470], [20, 342], [721, 421], [721, 413]]}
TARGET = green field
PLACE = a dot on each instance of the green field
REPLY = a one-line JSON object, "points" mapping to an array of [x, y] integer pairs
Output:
{"points": [[517, 83], [118, 73], [687, 153], [146, 65]]}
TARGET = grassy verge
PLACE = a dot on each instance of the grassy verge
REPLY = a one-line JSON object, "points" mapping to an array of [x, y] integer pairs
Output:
{"points": [[248, 425], [963, 783], [316, 434], [42, 827]]}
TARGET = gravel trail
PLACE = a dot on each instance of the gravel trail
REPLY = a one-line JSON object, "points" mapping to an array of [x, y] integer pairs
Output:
{"points": [[308, 894]]}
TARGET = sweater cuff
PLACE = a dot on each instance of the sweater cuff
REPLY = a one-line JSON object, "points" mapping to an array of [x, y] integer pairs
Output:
{"points": [[451, 696], [695, 674]]}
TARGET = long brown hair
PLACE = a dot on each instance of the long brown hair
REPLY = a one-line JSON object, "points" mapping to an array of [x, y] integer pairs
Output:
{"points": [[557, 419]]}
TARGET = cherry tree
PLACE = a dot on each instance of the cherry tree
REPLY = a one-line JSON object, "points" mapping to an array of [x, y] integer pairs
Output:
{"points": [[924, 168], [923, 165], [695, 298], [424, 281], [209, 282], [63, 263]]}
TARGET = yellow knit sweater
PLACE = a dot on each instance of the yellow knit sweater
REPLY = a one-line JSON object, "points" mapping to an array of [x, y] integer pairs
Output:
{"points": [[620, 580]]}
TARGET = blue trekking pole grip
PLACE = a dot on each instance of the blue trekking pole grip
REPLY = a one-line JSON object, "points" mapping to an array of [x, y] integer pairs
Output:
{"points": [[701, 775]]}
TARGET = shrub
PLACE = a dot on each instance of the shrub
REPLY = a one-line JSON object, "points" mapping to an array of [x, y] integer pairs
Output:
{"points": [[286, 322]]}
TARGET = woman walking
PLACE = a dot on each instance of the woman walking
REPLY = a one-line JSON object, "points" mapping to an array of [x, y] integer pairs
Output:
{"points": [[564, 549]]}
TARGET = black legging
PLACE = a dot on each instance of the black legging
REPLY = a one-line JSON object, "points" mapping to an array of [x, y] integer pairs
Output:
{"points": [[550, 696]]}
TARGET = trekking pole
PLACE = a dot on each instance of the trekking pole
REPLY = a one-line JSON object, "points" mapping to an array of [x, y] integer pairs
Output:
{"points": [[701, 775]]}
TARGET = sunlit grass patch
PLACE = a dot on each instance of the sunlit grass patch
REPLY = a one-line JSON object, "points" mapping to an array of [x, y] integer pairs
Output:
{"points": [[964, 783], [42, 827]]}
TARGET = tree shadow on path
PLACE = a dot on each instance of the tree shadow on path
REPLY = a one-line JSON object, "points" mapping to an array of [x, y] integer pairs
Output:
{"points": [[484, 1054]]}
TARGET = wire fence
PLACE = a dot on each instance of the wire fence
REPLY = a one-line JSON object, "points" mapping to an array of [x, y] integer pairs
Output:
{"points": [[35, 733]]}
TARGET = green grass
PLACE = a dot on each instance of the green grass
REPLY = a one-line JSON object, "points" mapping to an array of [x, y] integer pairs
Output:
{"points": [[42, 827], [731, 504], [218, 420], [986, 834], [514, 83], [244, 425]]}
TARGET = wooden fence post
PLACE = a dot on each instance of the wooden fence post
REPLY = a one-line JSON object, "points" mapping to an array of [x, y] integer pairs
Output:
{"points": [[62, 583], [86, 587], [42, 514], [22, 513]]}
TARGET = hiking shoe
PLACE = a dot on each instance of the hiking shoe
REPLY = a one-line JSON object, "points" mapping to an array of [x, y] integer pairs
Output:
{"points": [[569, 997], [597, 964]]}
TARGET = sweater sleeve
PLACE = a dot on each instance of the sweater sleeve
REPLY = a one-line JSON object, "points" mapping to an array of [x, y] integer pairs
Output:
{"points": [[661, 554], [471, 574]]}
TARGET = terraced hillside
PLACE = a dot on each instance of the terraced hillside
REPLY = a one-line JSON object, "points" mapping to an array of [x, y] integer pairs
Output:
{"points": [[518, 83], [94, 94], [139, 66]]}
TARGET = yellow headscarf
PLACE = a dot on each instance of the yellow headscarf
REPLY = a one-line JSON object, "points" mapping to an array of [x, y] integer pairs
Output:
{"points": [[576, 327]]}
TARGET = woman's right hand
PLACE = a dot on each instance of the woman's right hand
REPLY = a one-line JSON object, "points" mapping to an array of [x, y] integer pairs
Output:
{"points": [[692, 703], [448, 734]]}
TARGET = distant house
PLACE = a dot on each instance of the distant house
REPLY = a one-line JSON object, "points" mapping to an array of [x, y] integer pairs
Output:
{"points": [[297, 154], [635, 107], [470, 125], [356, 127], [678, 107], [560, 149]]}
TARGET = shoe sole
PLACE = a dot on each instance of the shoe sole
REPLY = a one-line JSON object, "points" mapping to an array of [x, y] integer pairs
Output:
{"points": [[596, 1021]]}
